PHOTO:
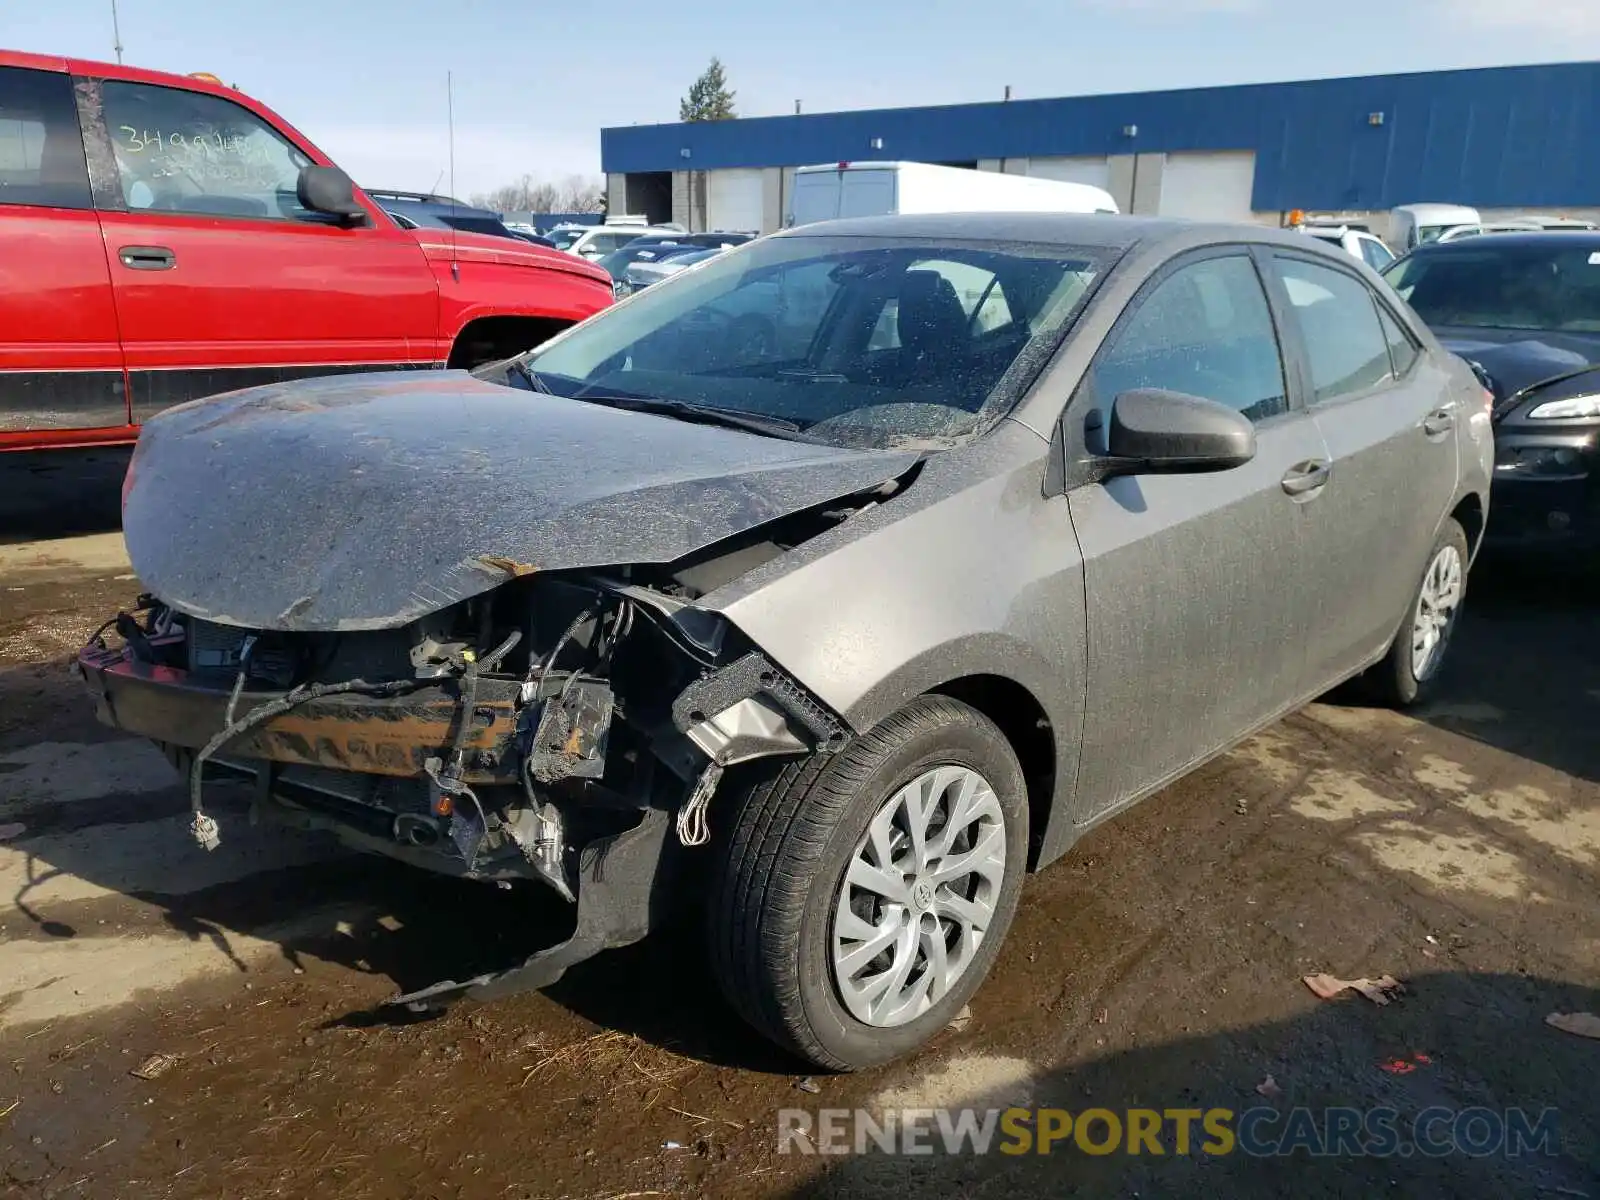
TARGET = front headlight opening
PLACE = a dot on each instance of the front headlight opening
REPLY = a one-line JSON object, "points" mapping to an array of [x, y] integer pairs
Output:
{"points": [[1574, 408]]}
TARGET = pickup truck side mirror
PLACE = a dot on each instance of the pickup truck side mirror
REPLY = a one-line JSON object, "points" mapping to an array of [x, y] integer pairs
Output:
{"points": [[1153, 430], [329, 190]]}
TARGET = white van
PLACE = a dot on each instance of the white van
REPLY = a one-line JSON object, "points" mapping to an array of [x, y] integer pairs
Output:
{"points": [[1412, 225], [874, 189]]}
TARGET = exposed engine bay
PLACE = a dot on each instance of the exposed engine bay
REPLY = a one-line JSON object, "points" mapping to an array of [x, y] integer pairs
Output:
{"points": [[529, 732]]}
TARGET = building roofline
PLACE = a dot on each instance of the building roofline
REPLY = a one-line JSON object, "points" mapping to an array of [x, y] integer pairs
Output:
{"points": [[1208, 89]]}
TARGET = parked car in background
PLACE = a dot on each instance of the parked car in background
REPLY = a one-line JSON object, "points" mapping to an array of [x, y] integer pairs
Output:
{"points": [[411, 222], [716, 239], [427, 211], [1413, 225], [1555, 223], [1357, 243], [617, 262], [1524, 308], [641, 274], [869, 189], [596, 241], [1456, 232], [1087, 501], [1516, 225], [210, 246]]}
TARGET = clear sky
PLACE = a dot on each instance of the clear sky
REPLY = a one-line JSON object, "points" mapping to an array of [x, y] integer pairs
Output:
{"points": [[365, 79]]}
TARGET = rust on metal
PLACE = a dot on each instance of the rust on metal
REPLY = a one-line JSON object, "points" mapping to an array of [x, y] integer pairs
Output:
{"points": [[379, 736], [513, 568]]}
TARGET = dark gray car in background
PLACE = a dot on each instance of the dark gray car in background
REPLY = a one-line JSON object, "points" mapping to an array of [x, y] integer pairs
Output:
{"points": [[984, 540], [1524, 309]]}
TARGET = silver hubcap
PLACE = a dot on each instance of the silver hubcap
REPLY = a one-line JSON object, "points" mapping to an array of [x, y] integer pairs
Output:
{"points": [[918, 896], [1437, 603]]}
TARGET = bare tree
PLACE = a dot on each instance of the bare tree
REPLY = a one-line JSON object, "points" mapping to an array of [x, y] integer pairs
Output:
{"points": [[575, 193]]}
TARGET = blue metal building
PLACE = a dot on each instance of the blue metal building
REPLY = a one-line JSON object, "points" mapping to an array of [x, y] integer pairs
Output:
{"points": [[1495, 138]]}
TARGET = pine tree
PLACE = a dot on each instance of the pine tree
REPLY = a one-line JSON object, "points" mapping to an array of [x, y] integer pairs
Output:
{"points": [[709, 99]]}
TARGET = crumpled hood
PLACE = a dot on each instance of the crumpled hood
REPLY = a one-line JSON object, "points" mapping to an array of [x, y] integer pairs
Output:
{"points": [[1515, 359], [366, 501]]}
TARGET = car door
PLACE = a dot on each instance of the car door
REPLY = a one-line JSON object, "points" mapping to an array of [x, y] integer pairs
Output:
{"points": [[1386, 412], [1375, 254], [221, 278], [60, 361], [1196, 584]]}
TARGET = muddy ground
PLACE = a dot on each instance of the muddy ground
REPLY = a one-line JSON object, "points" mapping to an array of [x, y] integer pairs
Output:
{"points": [[1158, 965]]}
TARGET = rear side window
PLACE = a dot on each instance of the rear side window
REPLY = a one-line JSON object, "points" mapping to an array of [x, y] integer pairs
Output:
{"points": [[1338, 318], [1376, 254], [187, 152], [41, 150], [1204, 330], [1403, 351]]}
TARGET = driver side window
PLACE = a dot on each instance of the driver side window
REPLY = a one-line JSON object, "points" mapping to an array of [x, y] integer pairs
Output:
{"points": [[1205, 330], [189, 152]]}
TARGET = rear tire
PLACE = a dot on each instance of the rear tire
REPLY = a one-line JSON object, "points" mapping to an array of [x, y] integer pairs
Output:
{"points": [[845, 973], [1408, 673]]}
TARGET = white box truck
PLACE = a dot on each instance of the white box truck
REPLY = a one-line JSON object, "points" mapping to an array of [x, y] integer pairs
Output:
{"points": [[874, 189]]}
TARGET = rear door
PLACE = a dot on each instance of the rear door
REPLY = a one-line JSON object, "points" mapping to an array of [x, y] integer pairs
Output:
{"points": [[872, 192], [816, 196], [60, 362], [1386, 412], [1197, 585], [221, 279]]}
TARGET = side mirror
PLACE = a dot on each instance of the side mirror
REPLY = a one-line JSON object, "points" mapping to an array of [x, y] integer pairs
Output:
{"points": [[1153, 430], [329, 190]]}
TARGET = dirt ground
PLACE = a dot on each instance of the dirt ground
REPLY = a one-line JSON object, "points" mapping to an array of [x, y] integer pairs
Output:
{"points": [[1159, 964]]}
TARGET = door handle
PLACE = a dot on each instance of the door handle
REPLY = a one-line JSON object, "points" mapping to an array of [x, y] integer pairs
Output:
{"points": [[1440, 420], [1305, 478], [147, 258]]}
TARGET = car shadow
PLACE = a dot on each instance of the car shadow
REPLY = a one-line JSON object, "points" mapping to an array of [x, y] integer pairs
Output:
{"points": [[61, 493], [1455, 1041], [1524, 669]]}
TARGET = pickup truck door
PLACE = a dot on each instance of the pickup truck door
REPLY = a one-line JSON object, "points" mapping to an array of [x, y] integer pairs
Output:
{"points": [[222, 280], [60, 365]]}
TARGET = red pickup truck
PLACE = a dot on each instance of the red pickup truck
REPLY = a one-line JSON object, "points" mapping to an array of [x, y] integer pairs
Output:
{"points": [[164, 237]]}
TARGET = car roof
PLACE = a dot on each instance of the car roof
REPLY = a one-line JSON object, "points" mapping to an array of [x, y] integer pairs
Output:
{"points": [[1090, 230], [1532, 239]]}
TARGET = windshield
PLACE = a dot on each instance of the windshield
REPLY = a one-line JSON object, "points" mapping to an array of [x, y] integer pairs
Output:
{"points": [[563, 238], [873, 342], [1490, 284]]}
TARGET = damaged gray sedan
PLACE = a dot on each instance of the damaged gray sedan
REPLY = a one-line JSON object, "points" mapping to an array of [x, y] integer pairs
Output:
{"points": [[867, 565]]}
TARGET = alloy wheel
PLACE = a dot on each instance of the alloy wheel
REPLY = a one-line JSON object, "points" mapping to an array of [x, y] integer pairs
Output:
{"points": [[918, 896]]}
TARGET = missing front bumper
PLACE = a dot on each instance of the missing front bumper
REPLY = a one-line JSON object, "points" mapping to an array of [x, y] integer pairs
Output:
{"points": [[374, 735]]}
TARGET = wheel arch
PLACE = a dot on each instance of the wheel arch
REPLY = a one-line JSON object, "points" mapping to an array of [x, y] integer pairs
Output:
{"points": [[1037, 707], [485, 338], [1022, 720], [1471, 514]]}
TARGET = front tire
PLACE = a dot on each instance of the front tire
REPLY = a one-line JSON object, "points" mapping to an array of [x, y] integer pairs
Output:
{"points": [[1407, 674], [861, 897]]}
